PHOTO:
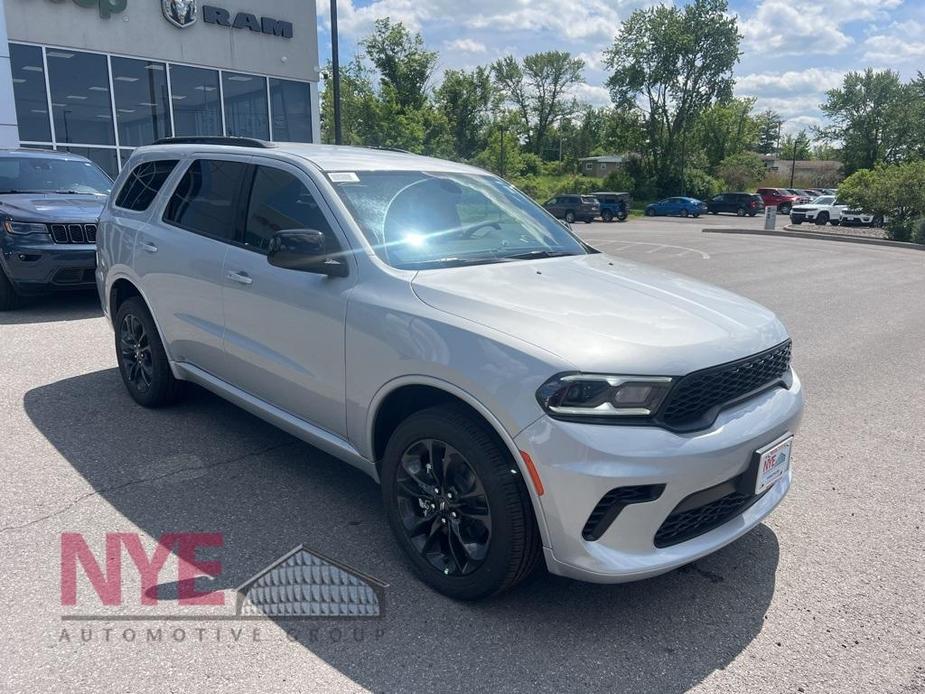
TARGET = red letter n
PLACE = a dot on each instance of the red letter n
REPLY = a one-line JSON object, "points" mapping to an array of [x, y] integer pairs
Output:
{"points": [[108, 586]]}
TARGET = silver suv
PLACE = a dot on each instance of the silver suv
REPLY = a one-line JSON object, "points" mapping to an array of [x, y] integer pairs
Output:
{"points": [[518, 394]]}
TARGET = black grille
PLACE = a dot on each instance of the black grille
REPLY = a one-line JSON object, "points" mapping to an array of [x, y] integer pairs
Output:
{"points": [[73, 233], [685, 525], [697, 398], [614, 501]]}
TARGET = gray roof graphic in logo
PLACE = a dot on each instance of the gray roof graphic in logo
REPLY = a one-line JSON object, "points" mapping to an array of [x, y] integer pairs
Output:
{"points": [[305, 584], [180, 13]]}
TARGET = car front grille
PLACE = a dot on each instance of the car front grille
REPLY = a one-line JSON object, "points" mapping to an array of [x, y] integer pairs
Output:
{"points": [[684, 525], [73, 233], [697, 398]]}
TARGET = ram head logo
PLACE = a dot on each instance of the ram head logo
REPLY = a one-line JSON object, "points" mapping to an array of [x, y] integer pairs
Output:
{"points": [[180, 13]]}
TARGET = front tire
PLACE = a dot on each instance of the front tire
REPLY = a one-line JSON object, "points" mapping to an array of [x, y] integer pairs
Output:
{"points": [[822, 219], [607, 216], [142, 358], [570, 217], [9, 299], [740, 212], [684, 213], [785, 209], [462, 517]]}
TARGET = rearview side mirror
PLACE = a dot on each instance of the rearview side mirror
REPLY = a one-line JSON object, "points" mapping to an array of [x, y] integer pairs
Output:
{"points": [[305, 250]]}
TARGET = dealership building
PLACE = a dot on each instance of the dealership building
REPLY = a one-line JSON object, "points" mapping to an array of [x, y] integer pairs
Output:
{"points": [[101, 77]]}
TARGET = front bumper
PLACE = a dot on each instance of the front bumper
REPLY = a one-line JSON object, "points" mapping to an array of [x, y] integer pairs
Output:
{"points": [[35, 264], [579, 463]]}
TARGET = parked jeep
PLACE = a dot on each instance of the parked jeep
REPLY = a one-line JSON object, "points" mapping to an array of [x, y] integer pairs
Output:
{"points": [[50, 203], [614, 205]]}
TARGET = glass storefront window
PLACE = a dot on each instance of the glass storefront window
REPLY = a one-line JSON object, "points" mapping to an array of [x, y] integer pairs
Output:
{"points": [[197, 109], [29, 92], [292, 111], [142, 103], [80, 98], [246, 112], [104, 158]]}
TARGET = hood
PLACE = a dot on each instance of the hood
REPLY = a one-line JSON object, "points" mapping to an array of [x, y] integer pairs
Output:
{"points": [[52, 207], [603, 314]]}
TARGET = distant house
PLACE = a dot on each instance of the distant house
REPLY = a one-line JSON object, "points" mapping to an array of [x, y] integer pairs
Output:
{"points": [[809, 172], [599, 167]]}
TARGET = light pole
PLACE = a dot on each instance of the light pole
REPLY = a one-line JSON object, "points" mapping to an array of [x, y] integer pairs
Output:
{"points": [[335, 77]]}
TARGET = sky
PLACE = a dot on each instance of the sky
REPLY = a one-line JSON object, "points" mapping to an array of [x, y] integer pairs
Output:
{"points": [[792, 50]]}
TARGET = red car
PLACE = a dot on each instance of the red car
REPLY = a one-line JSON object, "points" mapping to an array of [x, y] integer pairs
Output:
{"points": [[782, 199]]}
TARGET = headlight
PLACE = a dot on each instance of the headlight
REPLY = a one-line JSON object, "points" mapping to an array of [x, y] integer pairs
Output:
{"points": [[22, 228], [603, 396]]}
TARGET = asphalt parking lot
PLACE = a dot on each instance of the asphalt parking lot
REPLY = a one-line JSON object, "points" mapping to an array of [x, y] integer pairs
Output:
{"points": [[827, 596]]}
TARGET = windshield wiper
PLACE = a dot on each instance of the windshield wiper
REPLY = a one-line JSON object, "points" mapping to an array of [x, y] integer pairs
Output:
{"points": [[453, 261], [530, 255]]}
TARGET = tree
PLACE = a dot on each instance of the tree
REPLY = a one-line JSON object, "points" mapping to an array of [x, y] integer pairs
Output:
{"points": [[796, 147], [677, 62], [465, 98], [871, 116], [769, 123], [894, 191], [538, 88], [404, 65], [360, 115], [742, 171], [725, 129]]}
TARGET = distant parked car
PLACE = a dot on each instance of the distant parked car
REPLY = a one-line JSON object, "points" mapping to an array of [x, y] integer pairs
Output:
{"points": [[740, 204], [780, 198], [826, 209], [50, 203], [572, 208], [677, 207], [614, 205], [802, 195], [860, 218]]}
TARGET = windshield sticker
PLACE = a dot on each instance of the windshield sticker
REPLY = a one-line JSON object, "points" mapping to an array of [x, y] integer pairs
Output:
{"points": [[344, 177]]}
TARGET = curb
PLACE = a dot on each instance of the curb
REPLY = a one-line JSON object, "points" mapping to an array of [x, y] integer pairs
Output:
{"points": [[844, 238]]}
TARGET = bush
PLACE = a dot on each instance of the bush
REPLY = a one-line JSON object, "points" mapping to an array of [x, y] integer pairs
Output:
{"points": [[619, 181], [741, 171], [542, 188], [918, 231], [895, 191], [701, 185]]}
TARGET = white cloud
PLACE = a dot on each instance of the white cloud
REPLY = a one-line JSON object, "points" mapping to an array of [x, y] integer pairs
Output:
{"points": [[465, 46], [592, 94], [817, 80], [902, 42]]}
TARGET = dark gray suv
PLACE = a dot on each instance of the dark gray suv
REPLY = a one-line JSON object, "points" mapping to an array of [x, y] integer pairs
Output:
{"points": [[50, 204]]}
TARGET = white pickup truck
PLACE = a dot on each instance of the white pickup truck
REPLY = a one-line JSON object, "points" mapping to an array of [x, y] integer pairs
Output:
{"points": [[828, 209]]}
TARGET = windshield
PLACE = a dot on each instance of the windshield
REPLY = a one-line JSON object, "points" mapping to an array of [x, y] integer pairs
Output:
{"points": [[39, 175], [420, 220], [824, 200]]}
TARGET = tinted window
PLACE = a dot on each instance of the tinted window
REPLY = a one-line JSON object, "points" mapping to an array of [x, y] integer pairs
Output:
{"points": [[279, 202], [80, 97], [51, 175], [246, 113], [142, 106], [292, 111], [205, 199], [29, 92], [143, 185], [197, 109]]}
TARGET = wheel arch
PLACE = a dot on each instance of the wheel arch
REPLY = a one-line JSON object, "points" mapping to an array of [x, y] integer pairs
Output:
{"points": [[401, 398], [121, 290]]}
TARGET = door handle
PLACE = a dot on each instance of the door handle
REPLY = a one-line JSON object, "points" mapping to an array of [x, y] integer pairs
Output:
{"points": [[240, 277], [148, 247]]}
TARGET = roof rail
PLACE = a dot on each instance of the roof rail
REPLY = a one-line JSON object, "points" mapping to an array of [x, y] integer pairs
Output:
{"points": [[217, 140]]}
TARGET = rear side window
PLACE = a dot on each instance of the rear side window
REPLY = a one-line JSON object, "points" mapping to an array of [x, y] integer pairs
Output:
{"points": [[280, 202], [143, 185], [205, 201]]}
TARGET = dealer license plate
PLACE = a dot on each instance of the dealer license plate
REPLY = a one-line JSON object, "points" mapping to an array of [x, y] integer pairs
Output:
{"points": [[773, 464]]}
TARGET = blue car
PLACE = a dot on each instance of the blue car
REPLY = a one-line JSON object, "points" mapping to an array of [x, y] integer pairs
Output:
{"points": [[677, 207], [50, 204]]}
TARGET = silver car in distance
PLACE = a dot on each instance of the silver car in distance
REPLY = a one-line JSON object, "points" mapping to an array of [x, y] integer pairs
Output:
{"points": [[520, 395]]}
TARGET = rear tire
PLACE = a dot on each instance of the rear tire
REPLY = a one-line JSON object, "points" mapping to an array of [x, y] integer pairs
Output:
{"points": [[822, 219], [142, 358], [785, 208], [740, 212], [9, 298], [570, 217], [684, 213], [466, 462], [607, 216], [650, 212]]}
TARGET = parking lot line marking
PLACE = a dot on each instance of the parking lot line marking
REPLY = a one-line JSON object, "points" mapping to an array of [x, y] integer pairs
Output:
{"points": [[658, 247]]}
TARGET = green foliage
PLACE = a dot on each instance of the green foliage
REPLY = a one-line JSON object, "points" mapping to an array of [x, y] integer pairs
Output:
{"points": [[537, 89], [873, 115], [918, 231], [619, 181], [465, 98], [741, 171], [769, 123], [796, 147], [678, 61], [701, 185], [542, 188], [404, 65], [725, 129], [894, 191]]}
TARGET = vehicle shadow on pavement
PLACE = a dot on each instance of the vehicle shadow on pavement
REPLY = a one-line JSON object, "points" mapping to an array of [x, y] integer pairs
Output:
{"points": [[207, 466], [54, 308]]}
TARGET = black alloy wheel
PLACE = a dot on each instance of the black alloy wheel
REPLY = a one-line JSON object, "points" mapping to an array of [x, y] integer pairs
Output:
{"points": [[135, 353], [443, 507]]}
